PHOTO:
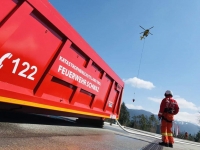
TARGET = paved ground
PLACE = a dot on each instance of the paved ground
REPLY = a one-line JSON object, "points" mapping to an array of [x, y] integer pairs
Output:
{"points": [[29, 132]]}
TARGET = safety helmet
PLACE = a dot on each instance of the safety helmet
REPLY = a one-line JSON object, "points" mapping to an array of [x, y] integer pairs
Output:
{"points": [[168, 93]]}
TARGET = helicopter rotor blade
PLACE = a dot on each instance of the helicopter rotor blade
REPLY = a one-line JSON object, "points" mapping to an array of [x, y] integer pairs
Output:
{"points": [[150, 33], [151, 28], [142, 27], [141, 32]]}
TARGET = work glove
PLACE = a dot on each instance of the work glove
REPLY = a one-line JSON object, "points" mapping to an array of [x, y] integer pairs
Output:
{"points": [[159, 117]]}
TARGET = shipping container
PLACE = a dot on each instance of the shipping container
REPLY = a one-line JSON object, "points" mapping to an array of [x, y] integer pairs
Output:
{"points": [[46, 67]]}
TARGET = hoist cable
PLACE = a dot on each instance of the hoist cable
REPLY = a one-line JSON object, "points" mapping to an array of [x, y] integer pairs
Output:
{"points": [[140, 59], [140, 62]]}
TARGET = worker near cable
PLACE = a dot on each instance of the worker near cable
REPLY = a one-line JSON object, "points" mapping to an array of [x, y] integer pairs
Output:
{"points": [[168, 108]]}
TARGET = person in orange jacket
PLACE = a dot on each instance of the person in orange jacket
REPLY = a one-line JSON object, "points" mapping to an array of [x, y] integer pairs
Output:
{"points": [[168, 108]]}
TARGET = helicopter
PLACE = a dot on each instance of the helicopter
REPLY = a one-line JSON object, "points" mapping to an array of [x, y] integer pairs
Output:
{"points": [[145, 33]]}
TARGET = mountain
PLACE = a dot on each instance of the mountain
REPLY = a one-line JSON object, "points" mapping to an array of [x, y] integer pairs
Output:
{"points": [[183, 126], [187, 127], [137, 112]]}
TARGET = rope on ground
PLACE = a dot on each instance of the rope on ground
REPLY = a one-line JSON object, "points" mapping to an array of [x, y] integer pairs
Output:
{"points": [[159, 137]]}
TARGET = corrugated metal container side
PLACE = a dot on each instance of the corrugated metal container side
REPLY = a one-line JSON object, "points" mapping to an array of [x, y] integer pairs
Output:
{"points": [[47, 67]]}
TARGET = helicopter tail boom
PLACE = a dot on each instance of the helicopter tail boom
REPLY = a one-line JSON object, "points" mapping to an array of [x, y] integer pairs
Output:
{"points": [[142, 37]]}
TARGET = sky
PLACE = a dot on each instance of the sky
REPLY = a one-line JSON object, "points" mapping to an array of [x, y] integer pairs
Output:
{"points": [[167, 60]]}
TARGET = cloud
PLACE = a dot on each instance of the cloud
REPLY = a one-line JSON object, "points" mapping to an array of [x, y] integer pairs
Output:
{"points": [[181, 116], [157, 100], [131, 106], [139, 83], [188, 117], [183, 103]]}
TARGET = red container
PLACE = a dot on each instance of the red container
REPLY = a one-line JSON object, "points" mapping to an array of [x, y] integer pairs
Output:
{"points": [[47, 67]]}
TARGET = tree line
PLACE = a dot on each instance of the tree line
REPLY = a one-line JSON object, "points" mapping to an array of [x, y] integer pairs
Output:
{"points": [[141, 122]]}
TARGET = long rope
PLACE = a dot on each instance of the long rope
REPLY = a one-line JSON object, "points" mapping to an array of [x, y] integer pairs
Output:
{"points": [[140, 59], [140, 62]]}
